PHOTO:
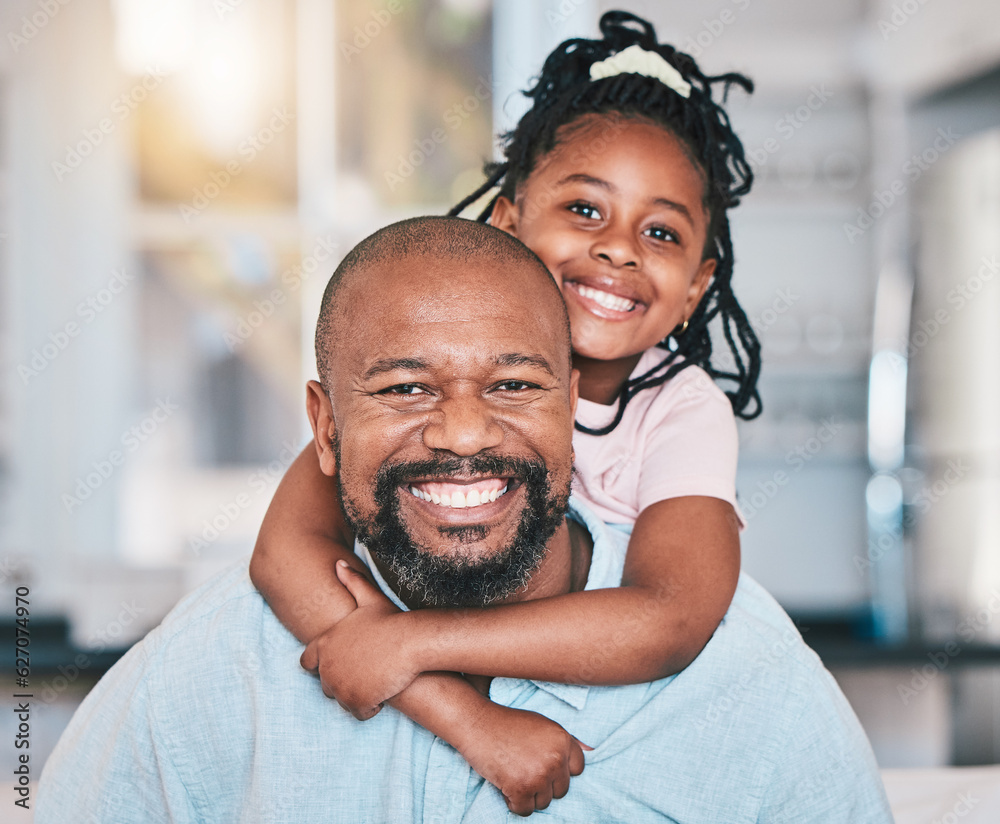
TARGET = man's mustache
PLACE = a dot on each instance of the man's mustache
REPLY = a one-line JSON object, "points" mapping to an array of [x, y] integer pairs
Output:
{"points": [[445, 468]]}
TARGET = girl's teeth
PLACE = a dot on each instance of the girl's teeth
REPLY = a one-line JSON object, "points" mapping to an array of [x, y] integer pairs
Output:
{"points": [[608, 301], [458, 499]]}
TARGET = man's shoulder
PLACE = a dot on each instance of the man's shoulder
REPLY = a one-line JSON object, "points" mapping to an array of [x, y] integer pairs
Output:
{"points": [[758, 675], [756, 642], [755, 628], [755, 716], [223, 614], [757, 634], [754, 682], [220, 646], [185, 716], [758, 608], [226, 590]]}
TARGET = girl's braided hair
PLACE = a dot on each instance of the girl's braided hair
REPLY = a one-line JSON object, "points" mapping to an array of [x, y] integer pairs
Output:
{"points": [[563, 93]]}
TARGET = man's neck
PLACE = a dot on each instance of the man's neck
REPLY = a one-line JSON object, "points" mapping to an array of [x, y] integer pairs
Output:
{"points": [[565, 566]]}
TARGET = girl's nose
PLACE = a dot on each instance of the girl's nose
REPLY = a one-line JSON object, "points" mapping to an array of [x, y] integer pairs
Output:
{"points": [[615, 245]]}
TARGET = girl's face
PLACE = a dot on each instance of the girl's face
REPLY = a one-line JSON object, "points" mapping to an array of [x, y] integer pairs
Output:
{"points": [[615, 211]]}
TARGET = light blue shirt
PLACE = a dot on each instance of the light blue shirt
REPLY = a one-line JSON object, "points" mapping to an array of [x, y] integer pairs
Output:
{"points": [[211, 719]]}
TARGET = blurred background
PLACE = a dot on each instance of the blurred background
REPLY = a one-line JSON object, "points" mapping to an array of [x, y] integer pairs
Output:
{"points": [[178, 179]]}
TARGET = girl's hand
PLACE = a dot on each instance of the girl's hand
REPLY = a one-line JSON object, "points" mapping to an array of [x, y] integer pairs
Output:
{"points": [[526, 756], [361, 660]]}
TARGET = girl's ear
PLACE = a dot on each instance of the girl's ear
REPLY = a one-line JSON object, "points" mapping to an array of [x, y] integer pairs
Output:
{"points": [[504, 216], [698, 286], [321, 419]]}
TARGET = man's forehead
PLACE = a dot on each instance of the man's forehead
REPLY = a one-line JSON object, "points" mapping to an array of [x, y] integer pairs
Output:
{"points": [[427, 277], [452, 328], [419, 292], [468, 302]]}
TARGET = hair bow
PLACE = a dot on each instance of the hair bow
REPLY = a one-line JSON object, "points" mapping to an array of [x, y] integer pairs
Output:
{"points": [[636, 60]]}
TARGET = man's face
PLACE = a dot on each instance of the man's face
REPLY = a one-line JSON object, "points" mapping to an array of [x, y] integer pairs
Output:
{"points": [[452, 405]]}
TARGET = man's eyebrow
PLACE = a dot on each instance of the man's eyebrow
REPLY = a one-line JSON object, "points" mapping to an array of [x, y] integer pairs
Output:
{"points": [[580, 177], [383, 365], [523, 359]]}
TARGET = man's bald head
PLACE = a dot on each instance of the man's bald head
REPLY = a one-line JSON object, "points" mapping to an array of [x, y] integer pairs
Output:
{"points": [[446, 410], [482, 248]]}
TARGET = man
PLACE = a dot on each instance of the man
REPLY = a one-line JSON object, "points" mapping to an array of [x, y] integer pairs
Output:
{"points": [[211, 719]]}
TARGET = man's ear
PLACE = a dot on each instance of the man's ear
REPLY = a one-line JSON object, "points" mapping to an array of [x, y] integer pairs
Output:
{"points": [[504, 216], [574, 396], [321, 420], [574, 390]]}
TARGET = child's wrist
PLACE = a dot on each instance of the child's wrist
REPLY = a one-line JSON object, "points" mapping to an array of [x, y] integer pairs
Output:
{"points": [[417, 642], [473, 724]]}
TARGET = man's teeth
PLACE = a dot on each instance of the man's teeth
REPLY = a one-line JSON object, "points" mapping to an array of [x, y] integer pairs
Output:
{"points": [[459, 499], [606, 299]]}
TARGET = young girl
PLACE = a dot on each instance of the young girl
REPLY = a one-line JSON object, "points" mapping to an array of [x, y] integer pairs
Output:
{"points": [[619, 178]]}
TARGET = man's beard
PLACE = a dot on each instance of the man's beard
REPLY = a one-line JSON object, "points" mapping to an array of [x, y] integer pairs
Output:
{"points": [[456, 580]]}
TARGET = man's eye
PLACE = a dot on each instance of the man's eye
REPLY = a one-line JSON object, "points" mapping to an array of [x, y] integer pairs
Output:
{"points": [[584, 209], [515, 386], [403, 389]]}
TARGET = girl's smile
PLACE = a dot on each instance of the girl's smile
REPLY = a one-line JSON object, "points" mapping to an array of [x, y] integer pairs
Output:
{"points": [[610, 302], [621, 224]]}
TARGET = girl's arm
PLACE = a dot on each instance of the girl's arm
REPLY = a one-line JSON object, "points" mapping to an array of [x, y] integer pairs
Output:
{"points": [[302, 537], [527, 757], [680, 574]]}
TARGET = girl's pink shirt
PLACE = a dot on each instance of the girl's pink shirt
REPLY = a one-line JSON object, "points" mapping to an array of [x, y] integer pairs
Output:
{"points": [[674, 440]]}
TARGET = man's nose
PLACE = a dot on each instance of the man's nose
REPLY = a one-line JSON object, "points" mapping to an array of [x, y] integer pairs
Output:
{"points": [[464, 426]]}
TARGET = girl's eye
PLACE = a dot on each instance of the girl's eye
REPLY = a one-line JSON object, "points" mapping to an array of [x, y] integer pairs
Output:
{"points": [[587, 210], [662, 233], [403, 389]]}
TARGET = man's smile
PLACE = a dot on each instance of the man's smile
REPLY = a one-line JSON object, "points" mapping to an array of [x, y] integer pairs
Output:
{"points": [[461, 495], [470, 501]]}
